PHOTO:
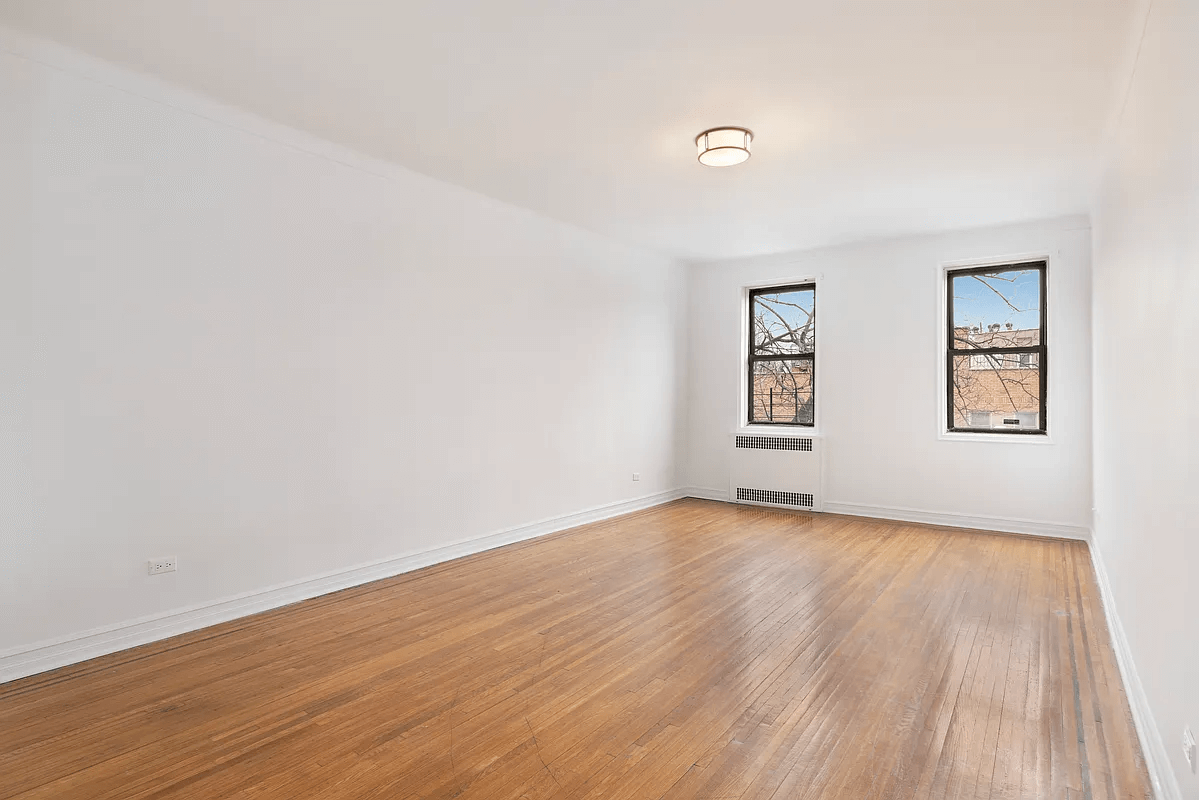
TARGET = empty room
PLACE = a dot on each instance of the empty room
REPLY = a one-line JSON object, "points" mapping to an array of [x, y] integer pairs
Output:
{"points": [[516, 399]]}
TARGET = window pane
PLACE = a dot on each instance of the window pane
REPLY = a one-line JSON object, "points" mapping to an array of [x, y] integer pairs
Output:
{"points": [[1005, 361], [784, 323], [782, 392], [997, 309], [1000, 394]]}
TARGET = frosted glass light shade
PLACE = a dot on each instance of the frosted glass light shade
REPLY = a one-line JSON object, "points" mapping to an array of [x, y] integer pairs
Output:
{"points": [[723, 147]]}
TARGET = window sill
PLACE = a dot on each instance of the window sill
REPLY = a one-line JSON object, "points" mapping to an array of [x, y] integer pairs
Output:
{"points": [[1001, 438], [776, 430]]}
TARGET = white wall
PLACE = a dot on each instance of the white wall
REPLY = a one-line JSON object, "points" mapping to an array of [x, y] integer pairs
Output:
{"points": [[1147, 377], [227, 341], [879, 402]]}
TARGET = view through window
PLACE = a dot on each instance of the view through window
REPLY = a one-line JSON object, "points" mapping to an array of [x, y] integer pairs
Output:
{"points": [[782, 355], [996, 355]]}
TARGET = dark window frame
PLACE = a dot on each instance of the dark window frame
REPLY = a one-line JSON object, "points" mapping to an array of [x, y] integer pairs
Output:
{"points": [[1041, 349], [754, 359]]}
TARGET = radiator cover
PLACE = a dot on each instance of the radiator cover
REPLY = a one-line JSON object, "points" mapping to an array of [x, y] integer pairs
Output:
{"points": [[777, 470]]}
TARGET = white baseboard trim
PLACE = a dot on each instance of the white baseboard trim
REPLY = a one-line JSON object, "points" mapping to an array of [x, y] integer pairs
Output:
{"points": [[955, 520], [1157, 761], [706, 494], [949, 519], [51, 654]]}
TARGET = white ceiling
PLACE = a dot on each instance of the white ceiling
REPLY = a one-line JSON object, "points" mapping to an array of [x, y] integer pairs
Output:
{"points": [[871, 118]]}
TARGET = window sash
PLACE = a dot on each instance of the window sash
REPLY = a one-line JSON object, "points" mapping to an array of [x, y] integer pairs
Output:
{"points": [[754, 359], [953, 351]]}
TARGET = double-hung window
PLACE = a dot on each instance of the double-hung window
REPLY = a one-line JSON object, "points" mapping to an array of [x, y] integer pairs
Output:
{"points": [[782, 355], [996, 357]]}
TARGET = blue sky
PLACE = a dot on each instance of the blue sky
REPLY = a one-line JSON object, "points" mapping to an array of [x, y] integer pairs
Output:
{"points": [[794, 318], [976, 304]]}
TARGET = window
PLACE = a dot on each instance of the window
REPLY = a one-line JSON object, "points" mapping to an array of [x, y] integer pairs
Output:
{"points": [[995, 362], [782, 355], [1004, 361]]}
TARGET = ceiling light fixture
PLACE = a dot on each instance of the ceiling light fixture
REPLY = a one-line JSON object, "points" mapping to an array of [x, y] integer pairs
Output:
{"points": [[724, 147]]}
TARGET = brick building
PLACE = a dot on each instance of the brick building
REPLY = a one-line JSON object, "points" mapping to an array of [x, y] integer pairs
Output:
{"points": [[1001, 390], [783, 392]]}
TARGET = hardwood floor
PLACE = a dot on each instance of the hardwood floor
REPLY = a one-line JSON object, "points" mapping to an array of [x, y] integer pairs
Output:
{"points": [[696, 650]]}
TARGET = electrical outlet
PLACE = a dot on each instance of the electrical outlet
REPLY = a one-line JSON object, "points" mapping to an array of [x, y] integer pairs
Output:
{"points": [[157, 566], [636, 476], [1188, 747]]}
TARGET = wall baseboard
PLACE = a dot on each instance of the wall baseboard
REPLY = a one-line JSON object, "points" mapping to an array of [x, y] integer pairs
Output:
{"points": [[951, 519], [948, 519], [1157, 761], [51, 654], [706, 494]]}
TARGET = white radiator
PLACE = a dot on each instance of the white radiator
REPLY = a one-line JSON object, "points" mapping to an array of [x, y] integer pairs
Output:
{"points": [[780, 470]]}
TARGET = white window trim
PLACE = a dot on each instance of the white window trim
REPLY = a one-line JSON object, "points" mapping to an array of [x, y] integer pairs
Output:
{"points": [[741, 425], [942, 330]]}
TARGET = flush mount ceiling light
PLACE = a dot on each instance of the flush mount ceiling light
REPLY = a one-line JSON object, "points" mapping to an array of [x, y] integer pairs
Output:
{"points": [[724, 147]]}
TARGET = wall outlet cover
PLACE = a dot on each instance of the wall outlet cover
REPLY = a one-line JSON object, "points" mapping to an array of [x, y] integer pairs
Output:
{"points": [[157, 566]]}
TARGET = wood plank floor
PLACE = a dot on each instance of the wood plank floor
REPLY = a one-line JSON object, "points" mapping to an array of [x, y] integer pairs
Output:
{"points": [[696, 650]]}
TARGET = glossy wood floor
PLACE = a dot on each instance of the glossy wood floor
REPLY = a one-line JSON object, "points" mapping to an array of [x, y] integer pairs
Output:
{"points": [[697, 650]]}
